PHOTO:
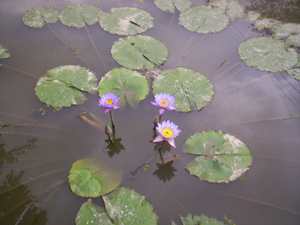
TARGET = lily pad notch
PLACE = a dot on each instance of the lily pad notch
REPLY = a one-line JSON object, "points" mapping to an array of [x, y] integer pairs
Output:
{"points": [[221, 158], [64, 86], [139, 52]]}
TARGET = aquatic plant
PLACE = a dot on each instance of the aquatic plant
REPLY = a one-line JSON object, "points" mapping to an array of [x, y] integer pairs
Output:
{"points": [[39, 17], [4, 54], [109, 102], [167, 131], [139, 52], [164, 102], [221, 158], [196, 220], [192, 90]]}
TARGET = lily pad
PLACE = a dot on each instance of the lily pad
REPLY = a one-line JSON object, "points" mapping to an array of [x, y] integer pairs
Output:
{"points": [[129, 85], [267, 54], [92, 214], [294, 72], [235, 10], [282, 31], [63, 86], [34, 18], [39, 17], [192, 90], [204, 19], [222, 158], [139, 52], [126, 21], [128, 207], [172, 5], [78, 15], [75, 76], [196, 220], [4, 54], [89, 178], [293, 40]]}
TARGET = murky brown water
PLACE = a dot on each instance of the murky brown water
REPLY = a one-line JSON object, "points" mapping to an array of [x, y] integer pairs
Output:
{"points": [[37, 151]]}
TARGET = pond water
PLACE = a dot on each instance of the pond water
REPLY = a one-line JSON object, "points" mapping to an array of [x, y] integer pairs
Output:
{"points": [[37, 150]]}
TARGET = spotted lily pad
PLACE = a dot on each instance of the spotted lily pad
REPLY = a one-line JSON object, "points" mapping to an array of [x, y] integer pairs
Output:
{"points": [[172, 5], [196, 220], [4, 54], [204, 19], [78, 15], [126, 21], [221, 158], [139, 52], [63, 86], [128, 207], [39, 17], [89, 178], [268, 54], [192, 90], [92, 214], [129, 85]]}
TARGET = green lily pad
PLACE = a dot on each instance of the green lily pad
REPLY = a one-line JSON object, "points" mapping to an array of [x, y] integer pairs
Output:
{"points": [[172, 5], [75, 76], [126, 21], [50, 15], [139, 52], [34, 18], [294, 72], [128, 207], [293, 40], [63, 86], [266, 24], [267, 54], [284, 30], [222, 158], [197, 220], [235, 10], [57, 94], [129, 85], [192, 90], [89, 178], [92, 214], [204, 19], [78, 15], [39, 17], [4, 54]]}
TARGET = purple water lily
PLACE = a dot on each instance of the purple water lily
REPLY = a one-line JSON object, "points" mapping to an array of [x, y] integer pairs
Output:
{"points": [[109, 102], [165, 102], [167, 131]]}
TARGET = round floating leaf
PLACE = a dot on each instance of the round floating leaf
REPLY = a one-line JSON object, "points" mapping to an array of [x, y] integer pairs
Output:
{"points": [[89, 178], [126, 21], [192, 90], [294, 40], [91, 214], [235, 10], [221, 157], [267, 54], [204, 19], [128, 207], [62, 86], [34, 18], [57, 94], [165, 5], [50, 15], [4, 54], [282, 31], [171, 5], [129, 85], [196, 220], [294, 72], [38, 17], [139, 52], [78, 15], [75, 76]]}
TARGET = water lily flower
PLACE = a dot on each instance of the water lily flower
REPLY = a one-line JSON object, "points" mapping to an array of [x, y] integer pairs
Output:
{"points": [[165, 102], [167, 131], [109, 102]]}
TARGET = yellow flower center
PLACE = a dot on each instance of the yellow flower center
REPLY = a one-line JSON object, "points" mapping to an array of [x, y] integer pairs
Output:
{"points": [[109, 101], [167, 133], [163, 103]]}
